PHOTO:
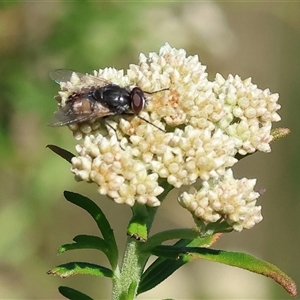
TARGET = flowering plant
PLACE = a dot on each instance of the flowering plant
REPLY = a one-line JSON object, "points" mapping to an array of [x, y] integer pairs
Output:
{"points": [[191, 132]]}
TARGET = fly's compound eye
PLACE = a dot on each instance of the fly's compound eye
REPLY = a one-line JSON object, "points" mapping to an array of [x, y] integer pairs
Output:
{"points": [[137, 100]]}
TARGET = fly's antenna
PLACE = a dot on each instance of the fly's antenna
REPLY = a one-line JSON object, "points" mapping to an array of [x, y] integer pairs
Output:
{"points": [[152, 124], [158, 91]]}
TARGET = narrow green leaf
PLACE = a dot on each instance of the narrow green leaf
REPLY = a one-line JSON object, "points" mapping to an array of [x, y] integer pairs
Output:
{"points": [[138, 227], [99, 217], [73, 294], [159, 271], [180, 234], [236, 259], [65, 154], [75, 268], [85, 242], [88, 242], [162, 268]]}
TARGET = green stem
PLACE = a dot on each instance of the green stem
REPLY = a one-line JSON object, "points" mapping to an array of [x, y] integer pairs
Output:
{"points": [[126, 283], [125, 286]]}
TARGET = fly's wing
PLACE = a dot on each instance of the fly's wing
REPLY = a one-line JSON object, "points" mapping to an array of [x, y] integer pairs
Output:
{"points": [[64, 75], [67, 116]]}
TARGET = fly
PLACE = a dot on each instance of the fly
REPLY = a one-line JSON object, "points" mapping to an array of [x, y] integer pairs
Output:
{"points": [[100, 98]]}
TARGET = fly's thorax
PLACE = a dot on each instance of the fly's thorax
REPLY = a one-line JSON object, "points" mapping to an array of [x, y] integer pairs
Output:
{"points": [[116, 98]]}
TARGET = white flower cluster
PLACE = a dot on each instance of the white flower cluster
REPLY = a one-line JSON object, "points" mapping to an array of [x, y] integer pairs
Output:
{"points": [[118, 175], [227, 199], [249, 113], [195, 129]]}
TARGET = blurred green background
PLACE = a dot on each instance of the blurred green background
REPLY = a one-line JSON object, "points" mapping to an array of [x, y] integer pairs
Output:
{"points": [[261, 40]]}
